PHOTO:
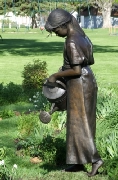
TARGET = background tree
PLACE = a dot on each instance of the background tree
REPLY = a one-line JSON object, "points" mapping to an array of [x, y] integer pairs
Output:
{"points": [[34, 7], [105, 6]]}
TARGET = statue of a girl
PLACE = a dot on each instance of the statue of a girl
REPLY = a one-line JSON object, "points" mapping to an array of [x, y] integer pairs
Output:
{"points": [[81, 91]]}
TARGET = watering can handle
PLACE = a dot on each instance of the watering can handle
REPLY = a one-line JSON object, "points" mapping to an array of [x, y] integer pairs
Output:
{"points": [[52, 85]]}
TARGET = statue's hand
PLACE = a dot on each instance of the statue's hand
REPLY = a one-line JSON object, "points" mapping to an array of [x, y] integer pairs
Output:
{"points": [[52, 79]]}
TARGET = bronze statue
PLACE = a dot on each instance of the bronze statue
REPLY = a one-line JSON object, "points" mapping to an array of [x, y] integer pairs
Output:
{"points": [[81, 90]]}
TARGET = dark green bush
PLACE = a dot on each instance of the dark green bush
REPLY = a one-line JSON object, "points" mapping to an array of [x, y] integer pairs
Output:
{"points": [[45, 141], [52, 150], [34, 74], [10, 93]]}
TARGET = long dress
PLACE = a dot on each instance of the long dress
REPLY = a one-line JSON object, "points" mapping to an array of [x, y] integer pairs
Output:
{"points": [[81, 103]]}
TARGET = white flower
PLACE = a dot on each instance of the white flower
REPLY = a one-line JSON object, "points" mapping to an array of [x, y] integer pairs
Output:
{"points": [[15, 166], [35, 101], [35, 105], [34, 96], [30, 99], [2, 162], [37, 93]]}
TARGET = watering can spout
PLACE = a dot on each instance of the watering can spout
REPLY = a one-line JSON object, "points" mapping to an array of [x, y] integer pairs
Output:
{"points": [[45, 117], [56, 95]]}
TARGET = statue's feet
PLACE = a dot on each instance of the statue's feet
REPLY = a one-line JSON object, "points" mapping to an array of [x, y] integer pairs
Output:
{"points": [[95, 167], [75, 168]]}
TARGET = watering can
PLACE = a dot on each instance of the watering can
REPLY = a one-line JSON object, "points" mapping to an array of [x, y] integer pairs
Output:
{"points": [[56, 95]]}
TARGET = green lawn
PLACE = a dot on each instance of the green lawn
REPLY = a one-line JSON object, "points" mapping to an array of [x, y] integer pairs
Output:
{"points": [[19, 48]]}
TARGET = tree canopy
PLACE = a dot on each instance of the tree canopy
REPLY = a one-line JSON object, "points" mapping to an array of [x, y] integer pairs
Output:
{"points": [[31, 7]]}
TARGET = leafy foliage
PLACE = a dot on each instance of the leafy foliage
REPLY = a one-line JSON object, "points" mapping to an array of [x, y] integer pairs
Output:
{"points": [[106, 102], [112, 168], [39, 101], [2, 153], [30, 8], [53, 150], [10, 93], [107, 130], [33, 75], [40, 140], [26, 124], [7, 113]]}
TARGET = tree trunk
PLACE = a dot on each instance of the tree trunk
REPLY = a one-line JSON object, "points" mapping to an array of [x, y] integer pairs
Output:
{"points": [[105, 6], [34, 24], [106, 13]]}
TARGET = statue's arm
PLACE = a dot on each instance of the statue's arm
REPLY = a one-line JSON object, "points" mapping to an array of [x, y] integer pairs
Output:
{"points": [[74, 71], [75, 59]]}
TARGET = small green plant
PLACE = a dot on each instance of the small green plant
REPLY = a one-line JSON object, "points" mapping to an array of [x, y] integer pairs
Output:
{"points": [[2, 152], [107, 135], [26, 124], [107, 123], [106, 102], [40, 102], [34, 74], [7, 113], [6, 173], [111, 168]]}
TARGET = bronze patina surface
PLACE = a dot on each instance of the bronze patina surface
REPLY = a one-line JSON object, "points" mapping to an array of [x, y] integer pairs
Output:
{"points": [[81, 90]]}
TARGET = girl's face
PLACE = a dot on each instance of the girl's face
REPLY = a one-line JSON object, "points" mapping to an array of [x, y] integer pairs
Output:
{"points": [[60, 31]]}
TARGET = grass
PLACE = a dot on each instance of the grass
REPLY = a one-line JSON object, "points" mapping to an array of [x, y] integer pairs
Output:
{"points": [[19, 48], [27, 170], [8, 133], [105, 53]]}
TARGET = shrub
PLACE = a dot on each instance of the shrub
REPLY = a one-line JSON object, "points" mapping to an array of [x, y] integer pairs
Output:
{"points": [[53, 150], [34, 74], [10, 93], [45, 141]]}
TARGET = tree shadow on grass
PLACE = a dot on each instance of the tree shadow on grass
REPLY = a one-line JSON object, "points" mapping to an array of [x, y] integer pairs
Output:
{"points": [[28, 47], [105, 49]]}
